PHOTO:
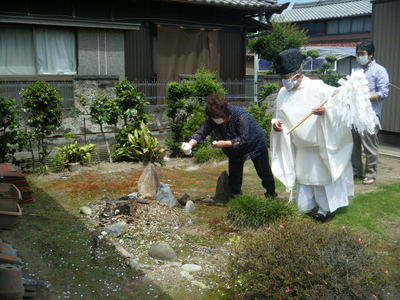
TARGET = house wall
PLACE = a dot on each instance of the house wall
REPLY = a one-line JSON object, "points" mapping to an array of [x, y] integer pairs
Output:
{"points": [[386, 37], [101, 52]]}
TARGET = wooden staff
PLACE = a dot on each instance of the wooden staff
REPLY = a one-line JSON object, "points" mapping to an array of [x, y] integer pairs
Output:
{"points": [[310, 113]]}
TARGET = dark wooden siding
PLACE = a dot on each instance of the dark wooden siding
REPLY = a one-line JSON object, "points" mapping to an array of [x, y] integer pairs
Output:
{"points": [[386, 36], [139, 55], [232, 51]]}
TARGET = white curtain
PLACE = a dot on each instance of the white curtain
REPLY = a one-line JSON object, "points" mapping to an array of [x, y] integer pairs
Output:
{"points": [[16, 51], [30, 51], [55, 51]]}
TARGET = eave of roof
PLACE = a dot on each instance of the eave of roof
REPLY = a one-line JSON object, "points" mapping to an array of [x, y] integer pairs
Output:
{"points": [[250, 5], [329, 9]]}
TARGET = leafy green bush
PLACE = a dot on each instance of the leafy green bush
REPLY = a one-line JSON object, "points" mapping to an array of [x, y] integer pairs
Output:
{"points": [[141, 146], [204, 84], [72, 153], [10, 133], [256, 211], [102, 110], [205, 153], [301, 259], [186, 107], [331, 78], [267, 89], [259, 114], [42, 104], [131, 103], [282, 36]]}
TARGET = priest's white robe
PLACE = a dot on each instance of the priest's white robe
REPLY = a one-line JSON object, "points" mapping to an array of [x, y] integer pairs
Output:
{"points": [[316, 155]]}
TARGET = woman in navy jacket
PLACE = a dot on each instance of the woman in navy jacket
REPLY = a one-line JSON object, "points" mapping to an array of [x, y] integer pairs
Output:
{"points": [[240, 137]]}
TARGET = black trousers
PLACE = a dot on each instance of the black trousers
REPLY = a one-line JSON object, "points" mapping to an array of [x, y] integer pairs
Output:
{"points": [[261, 163]]}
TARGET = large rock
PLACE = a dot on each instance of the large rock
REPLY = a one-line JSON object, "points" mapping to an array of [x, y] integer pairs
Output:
{"points": [[189, 206], [191, 268], [85, 210], [164, 196], [116, 229], [222, 191], [162, 251], [148, 182]]}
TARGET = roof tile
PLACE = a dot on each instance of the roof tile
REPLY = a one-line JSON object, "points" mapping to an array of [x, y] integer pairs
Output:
{"points": [[325, 9]]}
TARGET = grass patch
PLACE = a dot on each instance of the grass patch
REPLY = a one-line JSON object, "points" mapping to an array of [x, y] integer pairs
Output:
{"points": [[367, 211], [256, 211]]}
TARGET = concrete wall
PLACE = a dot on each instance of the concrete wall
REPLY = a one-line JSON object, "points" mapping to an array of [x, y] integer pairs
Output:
{"points": [[101, 52]]}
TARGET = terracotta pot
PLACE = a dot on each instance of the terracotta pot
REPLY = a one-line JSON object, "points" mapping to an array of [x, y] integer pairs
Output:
{"points": [[11, 286], [9, 197]]}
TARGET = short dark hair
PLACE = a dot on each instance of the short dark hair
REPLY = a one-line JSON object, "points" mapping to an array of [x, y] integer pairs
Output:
{"points": [[368, 46], [217, 107]]}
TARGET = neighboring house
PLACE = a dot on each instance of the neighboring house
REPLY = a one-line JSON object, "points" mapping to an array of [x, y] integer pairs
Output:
{"points": [[81, 45], [386, 37], [334, 28]]}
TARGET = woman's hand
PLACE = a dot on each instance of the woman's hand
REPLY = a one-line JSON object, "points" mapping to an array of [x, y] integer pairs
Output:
{"points": [[277, 125], [318, 110], [221, 144]]}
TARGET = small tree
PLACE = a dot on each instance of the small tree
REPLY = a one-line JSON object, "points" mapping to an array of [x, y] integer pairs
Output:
{"points": [[131, 103], [327, 75], [103, 110], [282, 36], [10, 134], [131, 108], [43, 106]]}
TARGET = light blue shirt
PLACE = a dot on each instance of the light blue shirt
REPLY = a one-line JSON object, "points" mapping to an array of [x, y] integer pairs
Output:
{"points": [[378, 83]]}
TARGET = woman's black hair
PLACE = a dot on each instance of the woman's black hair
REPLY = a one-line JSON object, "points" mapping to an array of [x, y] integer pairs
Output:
{"points": [[217, 107]]}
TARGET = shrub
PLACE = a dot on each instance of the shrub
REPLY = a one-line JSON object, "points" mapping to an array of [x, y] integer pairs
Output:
{"points": [[267, 89], [256, 211], [331, 78], [72, 153], [259, 114], [303, 260], [102, 110], [204, 84], [43, 106], [10, 134], [141, 146], [131, 103], [186, 103], [205, 153], [281, 37]]}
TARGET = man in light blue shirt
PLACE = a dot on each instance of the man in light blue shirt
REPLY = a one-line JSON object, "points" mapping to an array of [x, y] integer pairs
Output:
{"points": [[378, 82]]}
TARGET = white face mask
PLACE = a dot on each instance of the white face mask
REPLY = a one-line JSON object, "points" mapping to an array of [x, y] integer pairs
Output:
{"points": [[218, 121], [289, 83], [362, 59]]}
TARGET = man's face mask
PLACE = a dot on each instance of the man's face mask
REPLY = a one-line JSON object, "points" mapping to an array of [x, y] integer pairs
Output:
{"points": [[218, 121], [289, 83], [362, 59]]}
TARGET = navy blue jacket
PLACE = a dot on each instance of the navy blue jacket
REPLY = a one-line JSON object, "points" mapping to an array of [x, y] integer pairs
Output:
{"points": [[241, 128]]}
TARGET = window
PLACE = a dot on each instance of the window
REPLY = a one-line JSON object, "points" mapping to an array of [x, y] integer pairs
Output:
{"points": [[315, 28], [33, 51], [344, 26], [349, 25], [357, 25], [332, 27]]}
